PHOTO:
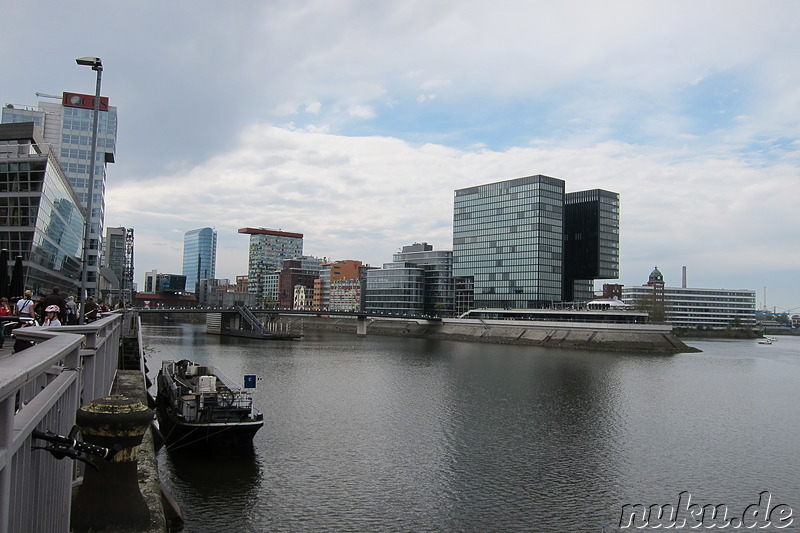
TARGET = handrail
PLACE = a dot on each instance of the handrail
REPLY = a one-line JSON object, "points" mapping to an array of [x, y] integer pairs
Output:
{"points": [[41, 388], [251, 319]]}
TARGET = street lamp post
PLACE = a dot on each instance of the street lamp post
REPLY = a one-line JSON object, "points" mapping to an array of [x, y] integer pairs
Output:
{"points": [[97, 66]]}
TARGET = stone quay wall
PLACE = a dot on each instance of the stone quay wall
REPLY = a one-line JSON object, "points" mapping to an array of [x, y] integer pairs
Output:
{"points": [[607, 337]]}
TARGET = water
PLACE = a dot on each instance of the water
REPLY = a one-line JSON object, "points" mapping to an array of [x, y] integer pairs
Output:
{"points": [[391, 434]]}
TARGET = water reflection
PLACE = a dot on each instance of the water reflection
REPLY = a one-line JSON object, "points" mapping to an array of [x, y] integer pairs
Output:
{"points": [[387, 434], [212, 491]]}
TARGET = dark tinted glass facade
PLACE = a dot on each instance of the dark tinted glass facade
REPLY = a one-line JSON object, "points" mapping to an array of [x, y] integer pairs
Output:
{"points": [[508, 237], [591, 240], [170, 283]]}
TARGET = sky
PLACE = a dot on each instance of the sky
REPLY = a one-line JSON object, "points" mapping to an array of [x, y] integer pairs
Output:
{"points": [[353, 121]]}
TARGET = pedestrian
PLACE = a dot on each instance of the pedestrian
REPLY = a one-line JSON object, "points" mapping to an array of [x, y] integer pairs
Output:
{"points": [[5, 310], [55, 298], [72, 311], [38, 309], [24, 307], [90, 310], [51, 314]]}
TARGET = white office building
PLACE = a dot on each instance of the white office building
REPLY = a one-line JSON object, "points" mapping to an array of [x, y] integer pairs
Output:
{"points": [[66, 125], [686, 307]]}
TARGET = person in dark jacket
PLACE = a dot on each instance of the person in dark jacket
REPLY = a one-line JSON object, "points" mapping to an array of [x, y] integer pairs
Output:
{"points": [[55, 298], [91, 311]]}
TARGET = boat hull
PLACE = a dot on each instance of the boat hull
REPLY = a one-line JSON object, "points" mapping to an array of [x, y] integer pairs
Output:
{"points": [[221, 425], [178, 434]]}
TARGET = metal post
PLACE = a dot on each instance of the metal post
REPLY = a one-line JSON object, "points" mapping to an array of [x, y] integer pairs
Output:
{"points": [[97, 66]]}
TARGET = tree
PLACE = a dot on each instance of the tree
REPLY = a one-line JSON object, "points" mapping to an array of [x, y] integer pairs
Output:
{"points": [[646, 304]]}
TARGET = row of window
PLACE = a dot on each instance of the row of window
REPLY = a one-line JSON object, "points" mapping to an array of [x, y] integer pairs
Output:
{"points": [[533, 232], [106, 143], [700, 295]]}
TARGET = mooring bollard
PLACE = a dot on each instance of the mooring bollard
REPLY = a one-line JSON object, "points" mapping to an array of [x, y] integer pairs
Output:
{"points": [[109, 497]]}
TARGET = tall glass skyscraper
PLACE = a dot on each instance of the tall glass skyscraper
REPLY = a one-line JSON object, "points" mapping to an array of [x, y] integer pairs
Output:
{"points": [[591, 241], [67, 127], [507, 237], [525, 244], [199, 257]]}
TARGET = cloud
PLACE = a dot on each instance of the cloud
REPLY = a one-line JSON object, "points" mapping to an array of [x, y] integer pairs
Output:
{"points": [[353, 121], [365, 197], [313, 108]]}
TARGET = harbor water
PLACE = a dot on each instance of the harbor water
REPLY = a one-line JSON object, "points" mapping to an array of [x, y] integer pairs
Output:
{"points": [[402, 434]]}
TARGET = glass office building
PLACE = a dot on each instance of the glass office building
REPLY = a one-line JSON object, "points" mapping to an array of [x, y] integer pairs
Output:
{"points": [[199, 257], [508, 241], [591, 241], [66, 126], [268, 249], [41, 219], [397, 289], [116, 282], [438, 298]]}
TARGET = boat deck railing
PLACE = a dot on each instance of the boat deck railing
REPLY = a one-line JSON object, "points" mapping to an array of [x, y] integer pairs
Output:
{"points": [[235, 401]]}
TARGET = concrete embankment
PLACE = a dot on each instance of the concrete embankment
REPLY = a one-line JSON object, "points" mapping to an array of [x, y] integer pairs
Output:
{"points": [[608, 337]]}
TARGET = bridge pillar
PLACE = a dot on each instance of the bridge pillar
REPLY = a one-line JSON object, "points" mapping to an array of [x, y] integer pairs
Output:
{"points": [[361, 326]]}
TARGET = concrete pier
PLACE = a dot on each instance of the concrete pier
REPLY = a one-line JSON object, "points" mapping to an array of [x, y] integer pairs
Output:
{"points": [[644, 338], [361, 327]]}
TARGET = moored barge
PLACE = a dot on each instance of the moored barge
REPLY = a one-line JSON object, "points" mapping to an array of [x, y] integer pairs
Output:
{"points": [[197, 408]]}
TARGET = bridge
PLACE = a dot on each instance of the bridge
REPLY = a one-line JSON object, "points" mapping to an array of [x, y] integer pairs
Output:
{"points": [[286, 311], [232, 319]]}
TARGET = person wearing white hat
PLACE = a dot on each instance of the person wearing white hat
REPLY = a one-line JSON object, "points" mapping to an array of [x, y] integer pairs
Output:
{"points": [[51, 313]]}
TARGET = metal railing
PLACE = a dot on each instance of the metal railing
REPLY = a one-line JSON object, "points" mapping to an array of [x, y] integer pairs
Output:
{"points": [[251, 319], [42, 387]]}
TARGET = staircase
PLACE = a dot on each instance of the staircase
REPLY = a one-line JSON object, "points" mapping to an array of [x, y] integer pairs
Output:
{"points": [[251, 319]]}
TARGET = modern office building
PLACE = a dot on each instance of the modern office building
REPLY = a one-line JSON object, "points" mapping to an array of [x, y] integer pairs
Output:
{"points": [[149, 286], [591, 242], [41, 219], [268, 249], [512, 240], [418, 281], [439, 296], [116, 279], [508, 238], [199, 257], [685, 307], [66, 125], [397, 289], [171, 283]]}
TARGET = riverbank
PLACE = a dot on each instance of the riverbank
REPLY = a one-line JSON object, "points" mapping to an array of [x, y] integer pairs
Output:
{"points": [[606, 337], [694, 333], [643, 338]]}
